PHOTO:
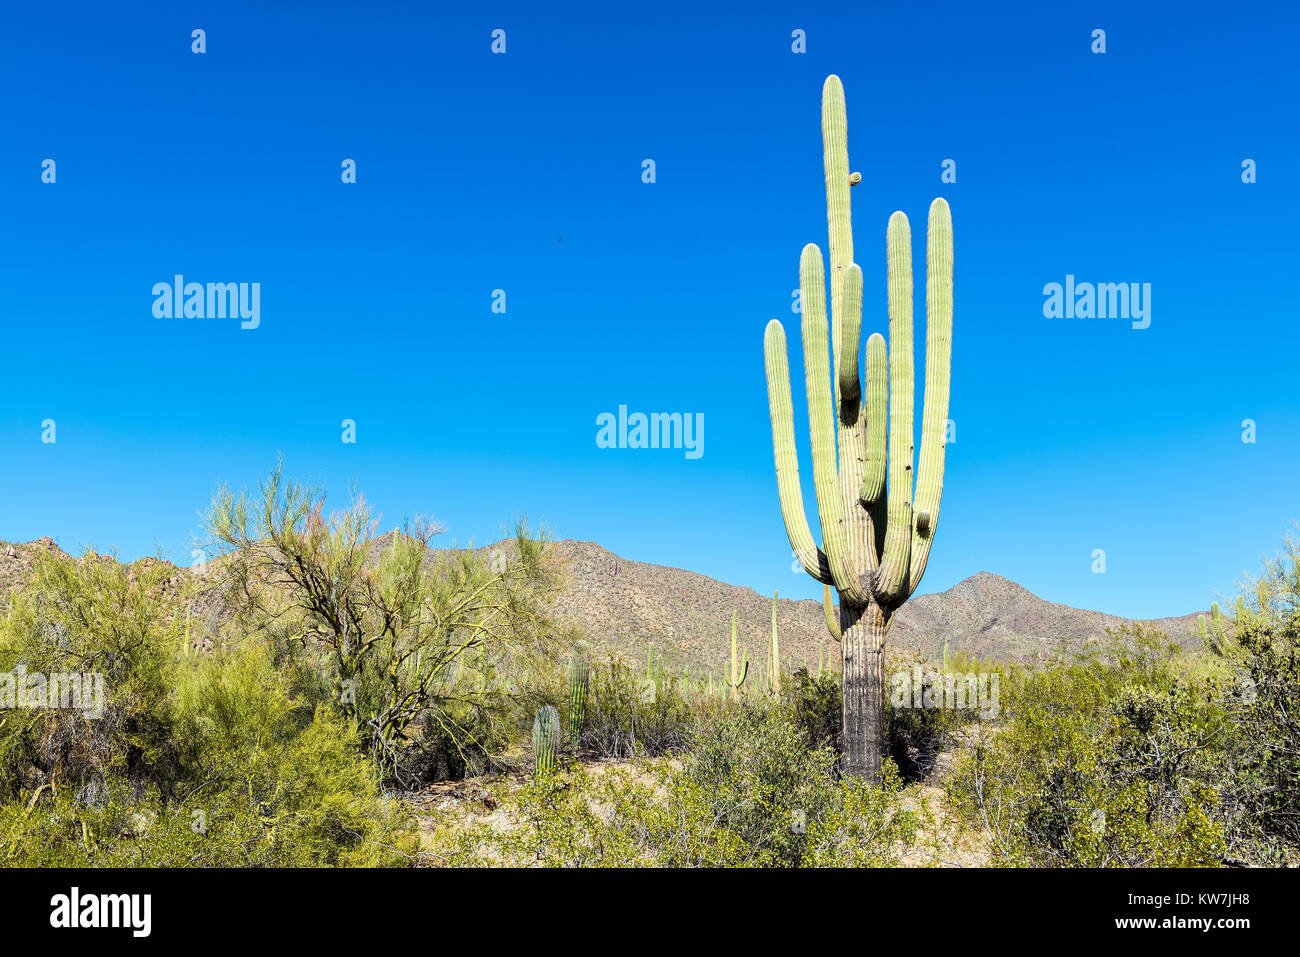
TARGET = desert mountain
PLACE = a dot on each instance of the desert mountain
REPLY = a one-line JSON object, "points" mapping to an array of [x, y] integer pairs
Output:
{"points": [[624, 605]]}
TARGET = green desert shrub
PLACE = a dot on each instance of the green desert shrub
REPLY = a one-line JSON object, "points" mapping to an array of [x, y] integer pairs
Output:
{"points": [[98, 618], [309, 800], [1106, 761], [204, 759], [1261, 700], [632, 815], [813, 704], [756, 764], [407, 637], [865, 825], [629, 715], [751, 796]]}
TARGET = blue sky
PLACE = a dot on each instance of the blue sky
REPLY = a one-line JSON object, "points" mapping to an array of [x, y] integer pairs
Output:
{"points": [[523, 172]]}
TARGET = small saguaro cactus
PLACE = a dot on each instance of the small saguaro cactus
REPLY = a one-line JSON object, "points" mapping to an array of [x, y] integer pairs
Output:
{"points": [[776, 654], [733, 681], [579, 672], [1220, 629], [876, 527], [546, 736]]}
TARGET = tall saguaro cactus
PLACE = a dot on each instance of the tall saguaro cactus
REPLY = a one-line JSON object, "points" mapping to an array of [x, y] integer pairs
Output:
{"points": [[876, 527]]}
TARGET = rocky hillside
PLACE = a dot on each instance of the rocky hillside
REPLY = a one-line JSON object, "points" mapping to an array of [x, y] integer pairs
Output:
{"points": [[624, 605]]}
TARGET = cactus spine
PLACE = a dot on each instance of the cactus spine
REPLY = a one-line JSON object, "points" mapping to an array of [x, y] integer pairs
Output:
{"points": [[578, 676], [546, 736], [876, 528]]}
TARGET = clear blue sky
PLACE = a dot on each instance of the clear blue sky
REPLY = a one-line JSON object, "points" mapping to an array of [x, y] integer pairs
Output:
{"points": [[523, 172]]}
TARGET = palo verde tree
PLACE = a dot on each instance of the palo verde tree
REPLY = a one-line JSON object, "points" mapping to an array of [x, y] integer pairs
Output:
{"points": [[401, 633], [876, 533]]}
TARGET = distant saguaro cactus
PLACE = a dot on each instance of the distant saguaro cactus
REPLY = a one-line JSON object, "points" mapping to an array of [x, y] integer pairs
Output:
{"points": [[876, 535], [546, 736], [775, 654], [579, 673], [733, 681]]}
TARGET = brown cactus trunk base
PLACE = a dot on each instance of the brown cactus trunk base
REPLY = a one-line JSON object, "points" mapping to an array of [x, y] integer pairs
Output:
{"points": [[862, 741]]}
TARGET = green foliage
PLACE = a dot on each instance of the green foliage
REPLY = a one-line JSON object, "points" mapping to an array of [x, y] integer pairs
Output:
{"points": [[211, 760], [1261, 741], [1108, 761], [814, 706], [629, 716], [401, 636], [866, 826], [757, 764], [91, 616], [752, 795], [637, 815]]}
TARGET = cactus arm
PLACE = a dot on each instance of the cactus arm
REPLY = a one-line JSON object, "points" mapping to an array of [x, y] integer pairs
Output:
{"points": [[811, 557], [892, 578], [835, 154], [938, 372], [821, 420], [875, 404], [847, 363], [828, 609]]}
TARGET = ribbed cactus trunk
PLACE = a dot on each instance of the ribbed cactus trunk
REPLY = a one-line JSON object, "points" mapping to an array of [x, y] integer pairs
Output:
{"points": [[877, 519], [863, 699], [578, 680], [546, 737]]}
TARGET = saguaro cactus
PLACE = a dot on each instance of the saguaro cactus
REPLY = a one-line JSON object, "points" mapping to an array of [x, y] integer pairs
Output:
{"points": [[776, 655], [876, 534], [578, 680], [546, 736], [735, 679]]}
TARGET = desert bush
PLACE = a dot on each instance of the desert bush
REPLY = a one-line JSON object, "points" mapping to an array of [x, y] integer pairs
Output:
{"points": [[90, 616], [1261, 748], [865, 825], [633, 815], [302, 801], [628, 715], [195, 759], [1106, 761], [404, 636], [813, 704], [756, 764], [750, 794]]}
